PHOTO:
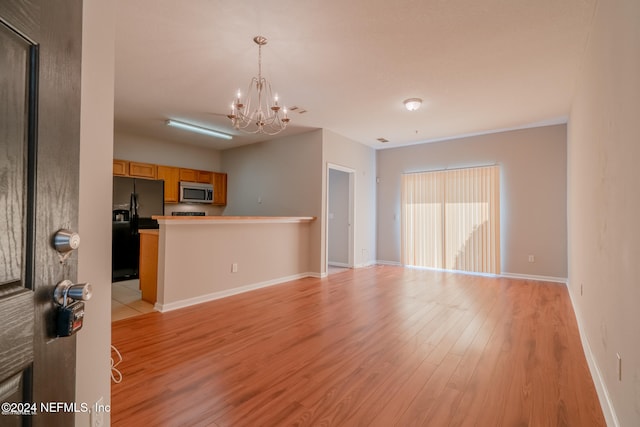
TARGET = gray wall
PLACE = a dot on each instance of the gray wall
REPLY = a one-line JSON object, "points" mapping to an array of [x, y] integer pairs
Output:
{"points": [[274, 178], [533, 193], [129, 146], [604, 205]]}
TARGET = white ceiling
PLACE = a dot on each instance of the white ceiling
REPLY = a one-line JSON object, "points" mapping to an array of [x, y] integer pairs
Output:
{"points": [[479, 65]]}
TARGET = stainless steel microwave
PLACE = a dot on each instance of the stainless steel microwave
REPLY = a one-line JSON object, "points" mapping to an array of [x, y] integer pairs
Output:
{"points": [[194, 192]]}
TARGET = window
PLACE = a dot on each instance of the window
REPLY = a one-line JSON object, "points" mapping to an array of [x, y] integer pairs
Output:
{"points": [[451, 219]]}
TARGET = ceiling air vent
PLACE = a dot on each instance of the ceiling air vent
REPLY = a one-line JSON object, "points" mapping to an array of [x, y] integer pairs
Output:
{"points": [[297, 109], [383, 140]]}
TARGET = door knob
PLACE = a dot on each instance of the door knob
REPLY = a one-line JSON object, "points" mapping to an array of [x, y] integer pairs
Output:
{"points": [[66, 289], [70, 312]]}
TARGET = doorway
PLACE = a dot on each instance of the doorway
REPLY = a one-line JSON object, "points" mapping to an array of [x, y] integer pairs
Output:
{"points": [[340, 218]]}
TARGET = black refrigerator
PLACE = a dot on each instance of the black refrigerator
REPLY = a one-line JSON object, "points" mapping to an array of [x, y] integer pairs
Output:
{"points": [[135, 201]]}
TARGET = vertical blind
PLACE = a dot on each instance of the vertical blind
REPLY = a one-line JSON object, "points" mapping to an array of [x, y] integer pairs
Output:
{"points": [[451, 219]]}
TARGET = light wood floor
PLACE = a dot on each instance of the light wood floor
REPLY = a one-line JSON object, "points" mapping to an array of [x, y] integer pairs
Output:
{"points": [[379, 346]]}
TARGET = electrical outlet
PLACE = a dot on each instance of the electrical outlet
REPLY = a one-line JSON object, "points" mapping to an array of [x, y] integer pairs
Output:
{"points": [[619, 367], [532, 258], [97, 413], [234, 267]]}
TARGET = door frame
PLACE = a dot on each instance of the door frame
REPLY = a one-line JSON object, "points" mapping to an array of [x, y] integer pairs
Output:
{"points": [[352, 214]]}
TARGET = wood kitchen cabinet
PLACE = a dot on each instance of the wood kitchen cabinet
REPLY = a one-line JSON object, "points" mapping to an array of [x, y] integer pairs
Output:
{"points": [[120, 167], [188, 175], [142, 170], [219, 188], [148, 270], [171, 177], [204, 177], [193, 175]]}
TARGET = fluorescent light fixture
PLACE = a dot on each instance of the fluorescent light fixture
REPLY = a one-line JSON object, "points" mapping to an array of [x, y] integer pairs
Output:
{"points": [[197, 129]]}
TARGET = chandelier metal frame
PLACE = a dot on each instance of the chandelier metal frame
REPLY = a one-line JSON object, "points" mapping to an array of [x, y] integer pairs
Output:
{"points": [[259, 112]]}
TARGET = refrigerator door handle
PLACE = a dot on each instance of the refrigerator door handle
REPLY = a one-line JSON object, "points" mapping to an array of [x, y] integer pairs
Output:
{"points": [[134, 204], [133, 224]]}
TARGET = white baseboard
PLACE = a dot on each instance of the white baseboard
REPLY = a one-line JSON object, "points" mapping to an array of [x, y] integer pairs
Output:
{"points": [[361, 265], [338, 264], [601, 388], [366, 264], [383, 262], [505, 275], [163, 308], [534, 277]]}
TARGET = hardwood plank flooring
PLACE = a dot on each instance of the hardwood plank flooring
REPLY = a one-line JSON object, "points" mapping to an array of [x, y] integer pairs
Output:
{"points": [[379, 346]]}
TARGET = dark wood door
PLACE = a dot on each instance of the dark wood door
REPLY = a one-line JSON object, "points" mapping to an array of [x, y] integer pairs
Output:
{"points": [[40, 46]]}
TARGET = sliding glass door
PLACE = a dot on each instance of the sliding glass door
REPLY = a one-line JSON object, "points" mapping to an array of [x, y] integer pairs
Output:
{"points": [[451, 219]]}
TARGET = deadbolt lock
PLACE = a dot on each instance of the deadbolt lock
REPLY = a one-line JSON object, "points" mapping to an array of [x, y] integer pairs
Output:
{"points": [[66, 241]]}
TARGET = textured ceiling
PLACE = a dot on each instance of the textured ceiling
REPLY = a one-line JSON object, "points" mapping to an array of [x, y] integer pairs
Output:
{"points": [[479, 66]]}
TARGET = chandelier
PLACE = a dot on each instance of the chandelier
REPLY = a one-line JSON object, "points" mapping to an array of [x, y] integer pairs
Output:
{"points": [[259, 111]]}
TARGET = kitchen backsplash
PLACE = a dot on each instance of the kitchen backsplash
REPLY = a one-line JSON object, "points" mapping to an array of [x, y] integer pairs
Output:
{"points": [[191, 207]]}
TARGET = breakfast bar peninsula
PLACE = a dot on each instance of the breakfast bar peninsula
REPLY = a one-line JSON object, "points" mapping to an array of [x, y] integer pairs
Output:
{"points": [[209, 257]]}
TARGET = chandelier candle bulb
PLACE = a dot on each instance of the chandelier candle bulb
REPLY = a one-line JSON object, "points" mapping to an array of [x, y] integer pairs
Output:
{"points": [[238, 103]]}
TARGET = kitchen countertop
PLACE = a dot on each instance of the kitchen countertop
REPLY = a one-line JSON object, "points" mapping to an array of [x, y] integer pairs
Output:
{"points": [[149, 231]]}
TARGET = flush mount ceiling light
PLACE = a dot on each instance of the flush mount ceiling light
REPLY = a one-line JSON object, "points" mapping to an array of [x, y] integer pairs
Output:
{"points": [[412, 104], [259, 111], [197, 129]]}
